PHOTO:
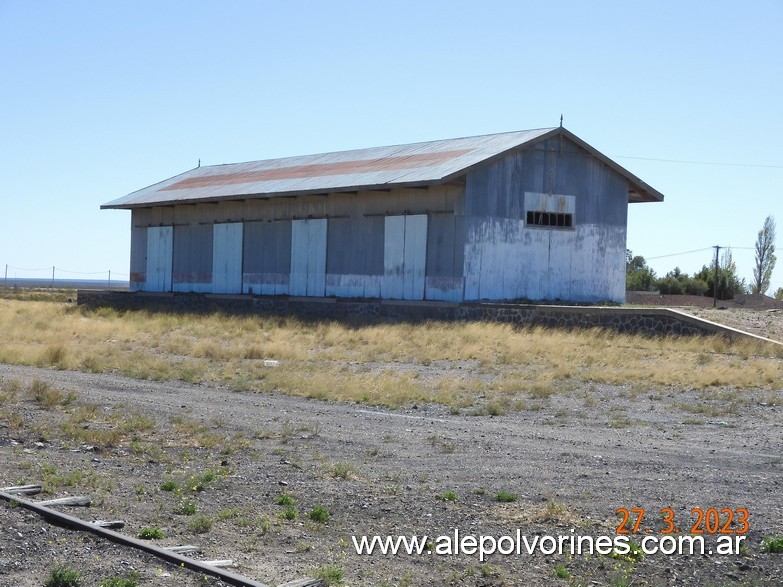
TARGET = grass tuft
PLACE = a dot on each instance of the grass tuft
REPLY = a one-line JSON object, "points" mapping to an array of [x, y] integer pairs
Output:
{"points": [[318, 514], [505, 496], [63, 576]]}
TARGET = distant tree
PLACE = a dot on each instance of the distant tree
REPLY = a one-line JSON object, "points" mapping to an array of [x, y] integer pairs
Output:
{"points": [[765, 256], [676, 282], [669, 285], [638, 276], [779, 294], [729, 284]]}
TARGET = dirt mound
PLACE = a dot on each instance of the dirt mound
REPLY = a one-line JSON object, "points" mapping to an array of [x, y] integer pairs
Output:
{"points": [[756, 302], [749, 301]]}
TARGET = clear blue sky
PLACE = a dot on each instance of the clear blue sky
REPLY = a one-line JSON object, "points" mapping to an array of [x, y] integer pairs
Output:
{"points": [[100, 99]]}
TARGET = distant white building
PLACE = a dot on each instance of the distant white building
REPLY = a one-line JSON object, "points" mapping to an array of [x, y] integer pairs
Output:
{"points": [[537, 215]]}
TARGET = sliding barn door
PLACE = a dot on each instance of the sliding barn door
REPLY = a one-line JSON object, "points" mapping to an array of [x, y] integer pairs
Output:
{"points": [[308, 257], [227, 258], [404, 257], [160, 248]]}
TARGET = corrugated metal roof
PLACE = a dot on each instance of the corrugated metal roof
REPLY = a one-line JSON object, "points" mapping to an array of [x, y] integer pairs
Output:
{"points": [[379, 167]]}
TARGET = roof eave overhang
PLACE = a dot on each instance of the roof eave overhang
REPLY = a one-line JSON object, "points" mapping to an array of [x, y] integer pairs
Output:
{"points": [[288, 194], [638, 191]]}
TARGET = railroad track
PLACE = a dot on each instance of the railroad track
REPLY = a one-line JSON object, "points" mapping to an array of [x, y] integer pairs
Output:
{"points": [[104, 529]]}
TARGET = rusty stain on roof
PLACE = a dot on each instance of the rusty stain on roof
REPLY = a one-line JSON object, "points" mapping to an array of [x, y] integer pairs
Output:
{"points": [[319, 169]]}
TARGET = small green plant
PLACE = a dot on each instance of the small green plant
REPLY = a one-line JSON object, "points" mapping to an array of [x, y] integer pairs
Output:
{"points": [[329, 574], [343, 471], [200, 525], [772, 544], [561, 571], [319, 514], [505, 497], [150, 534], [186, 507], [284, 499], [228, 514], [63, 576], [201, 482], [636, 553], [169, 485], [289, 514], [448, 496], [132, 581]]}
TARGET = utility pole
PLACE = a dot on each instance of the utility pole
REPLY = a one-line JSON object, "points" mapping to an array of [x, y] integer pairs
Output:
{"points": [[715, 284]]}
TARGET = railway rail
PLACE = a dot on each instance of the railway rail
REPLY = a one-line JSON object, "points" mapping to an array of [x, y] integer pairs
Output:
{"points": [[103, 529]]}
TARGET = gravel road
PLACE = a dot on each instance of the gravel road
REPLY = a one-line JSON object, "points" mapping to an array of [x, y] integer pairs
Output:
{"points": [[571, 460]]}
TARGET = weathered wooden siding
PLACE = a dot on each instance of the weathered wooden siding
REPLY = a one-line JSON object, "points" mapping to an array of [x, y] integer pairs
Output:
{"points": [[506, 259]]}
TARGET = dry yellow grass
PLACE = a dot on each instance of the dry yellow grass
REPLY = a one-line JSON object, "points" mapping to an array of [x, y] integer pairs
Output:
{"points": [[384, 364]]}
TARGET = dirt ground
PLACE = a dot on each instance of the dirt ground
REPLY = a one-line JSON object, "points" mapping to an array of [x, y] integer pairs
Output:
{"points": [[571, 461]]}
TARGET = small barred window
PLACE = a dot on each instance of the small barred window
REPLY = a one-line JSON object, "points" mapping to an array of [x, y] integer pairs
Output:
{"points": [[551, 219]]}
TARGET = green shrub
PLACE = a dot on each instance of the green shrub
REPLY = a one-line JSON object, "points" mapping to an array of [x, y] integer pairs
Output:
{"points": [[200, 525], [329, 574], [696, 287], [448, 496], [319, 514], [561, 571], [186, 507], [284, 499], [169, 485], [150, 534], [772, 544], [63, 576], [505, 496], [669, 286]]}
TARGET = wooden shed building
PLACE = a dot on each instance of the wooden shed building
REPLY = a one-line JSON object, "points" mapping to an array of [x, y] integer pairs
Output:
{"points": [[536, 215]]}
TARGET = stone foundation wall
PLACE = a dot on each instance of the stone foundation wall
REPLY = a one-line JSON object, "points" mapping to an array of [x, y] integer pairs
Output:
{"points": [[647, 321]]}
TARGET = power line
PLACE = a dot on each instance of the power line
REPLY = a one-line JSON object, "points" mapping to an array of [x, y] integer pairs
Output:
{"points": [[699, 251], [677, 254], [684, 161]]}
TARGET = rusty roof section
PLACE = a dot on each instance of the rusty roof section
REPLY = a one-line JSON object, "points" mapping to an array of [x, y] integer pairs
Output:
{"points": [[317, 170], [418, 164]]}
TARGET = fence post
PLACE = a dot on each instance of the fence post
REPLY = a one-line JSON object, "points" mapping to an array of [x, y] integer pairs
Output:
{"points": [[52, 286]]}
